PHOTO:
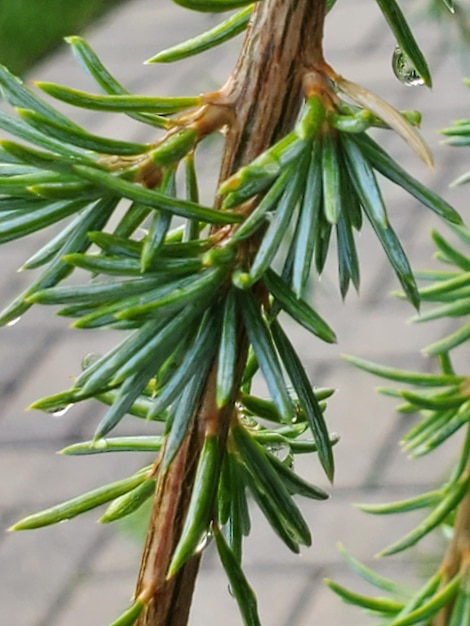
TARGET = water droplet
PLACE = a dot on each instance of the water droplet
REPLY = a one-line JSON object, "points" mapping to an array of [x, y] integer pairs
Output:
{"points": [[280, 450], [404, 69], [89, 359], [205, 541], [13, 322], [62, 410], [247, 420], [450, 5]]}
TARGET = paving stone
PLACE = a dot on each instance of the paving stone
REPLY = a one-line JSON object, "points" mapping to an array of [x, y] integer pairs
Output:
{"points": [[17, 351], [91, 584], [60, 477], [364, 424], [35, 566], [95, 601], [324, 607], [101, 596], [377, 333], [432, 469], [119, 554], [343, 42], [332, 522], [276, 588], [320, 605], [52, 374]]}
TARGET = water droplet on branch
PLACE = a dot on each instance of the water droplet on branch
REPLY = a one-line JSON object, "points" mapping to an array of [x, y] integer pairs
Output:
{"points": [[61, 410], [205, 541], [404, 69], [89, 359], [450, 5], [13, 322], [280, 450]]}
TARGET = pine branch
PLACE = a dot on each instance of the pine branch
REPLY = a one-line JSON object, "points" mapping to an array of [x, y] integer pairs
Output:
{"points": [[277, 31], [201, 301]]}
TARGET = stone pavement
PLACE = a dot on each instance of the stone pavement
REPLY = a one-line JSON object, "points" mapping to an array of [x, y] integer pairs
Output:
{"points": [[81, 573]]}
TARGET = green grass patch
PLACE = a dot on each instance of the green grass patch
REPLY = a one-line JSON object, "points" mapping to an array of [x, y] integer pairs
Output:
{"points": [[29, 29]]}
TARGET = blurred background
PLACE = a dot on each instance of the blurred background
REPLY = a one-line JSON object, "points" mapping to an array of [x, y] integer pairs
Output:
{"points": [[31, 29]]}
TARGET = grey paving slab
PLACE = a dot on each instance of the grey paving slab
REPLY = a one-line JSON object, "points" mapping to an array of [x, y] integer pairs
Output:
{"points": [[35, 566], [324, 607], [427, 470], [333, 522], [77, 475], [95, 578], [117, 555], [59, 364], [97, 599], [279, 589], [18, 352], [343, 43]]}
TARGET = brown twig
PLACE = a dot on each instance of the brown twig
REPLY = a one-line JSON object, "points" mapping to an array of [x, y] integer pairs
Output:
{"points": [[264, 92], [457, 557]]}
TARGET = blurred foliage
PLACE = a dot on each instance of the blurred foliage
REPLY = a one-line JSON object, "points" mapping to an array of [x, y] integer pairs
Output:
{"points": [[29, 29]]}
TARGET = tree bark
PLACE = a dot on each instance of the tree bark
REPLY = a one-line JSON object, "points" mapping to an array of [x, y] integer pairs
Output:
{"points": [[264, 93], [283, 42], [457, 557]]}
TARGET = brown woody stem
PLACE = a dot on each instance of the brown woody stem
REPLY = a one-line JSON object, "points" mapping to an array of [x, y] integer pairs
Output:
{"points": [[457, 557], [264, 92], [283, 42]]}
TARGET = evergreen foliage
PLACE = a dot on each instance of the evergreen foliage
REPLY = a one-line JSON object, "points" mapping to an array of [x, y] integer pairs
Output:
{"points": [[198, 300]]}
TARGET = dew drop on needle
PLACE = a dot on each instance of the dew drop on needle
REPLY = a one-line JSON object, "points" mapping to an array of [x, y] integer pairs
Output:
{"points": [[204, 542], [61, 410], [281, 451], [13, 322], [89, 359], [450, 5], [404, 69]]}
